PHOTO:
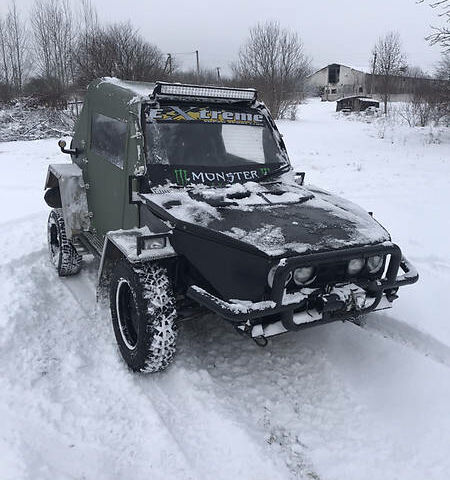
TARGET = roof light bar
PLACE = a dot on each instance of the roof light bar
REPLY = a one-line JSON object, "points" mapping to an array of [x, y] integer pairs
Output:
{"points": [[206, 92]]}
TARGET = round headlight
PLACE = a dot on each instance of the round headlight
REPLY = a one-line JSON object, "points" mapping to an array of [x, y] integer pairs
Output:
{"points": [[355, 265], [303, 275], [374, 263]]}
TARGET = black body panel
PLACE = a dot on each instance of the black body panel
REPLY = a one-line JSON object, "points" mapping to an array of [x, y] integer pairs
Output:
{"points": [[230, 271]]}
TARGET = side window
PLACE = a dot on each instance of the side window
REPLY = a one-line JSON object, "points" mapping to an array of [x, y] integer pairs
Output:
{"points": [[109, 138]]}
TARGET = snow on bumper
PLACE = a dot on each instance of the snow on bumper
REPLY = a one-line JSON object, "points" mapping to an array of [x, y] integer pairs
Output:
{"points": [[340, 301]]}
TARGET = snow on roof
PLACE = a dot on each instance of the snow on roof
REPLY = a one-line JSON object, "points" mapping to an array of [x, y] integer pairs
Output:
{"points": [[357, 68], [360, 68], [138, 90], [360, 97]]}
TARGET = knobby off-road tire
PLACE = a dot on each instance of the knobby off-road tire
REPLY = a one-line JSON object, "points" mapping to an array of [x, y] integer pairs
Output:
{"points": [[143, 315], [63, 254]]}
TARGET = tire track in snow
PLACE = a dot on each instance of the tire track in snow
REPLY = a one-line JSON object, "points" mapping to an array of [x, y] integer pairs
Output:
{"points": [[71, 382], [212, 445], [276, 410], [215, 346], [21, 237], [82, 290], [221, 445], [297, 390], [402, 333]]}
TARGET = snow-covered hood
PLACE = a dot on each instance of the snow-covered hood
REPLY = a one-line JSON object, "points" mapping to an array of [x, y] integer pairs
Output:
{"points": [[278, 219]]}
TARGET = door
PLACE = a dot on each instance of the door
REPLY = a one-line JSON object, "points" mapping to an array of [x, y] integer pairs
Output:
{"points": [[106, 172]]}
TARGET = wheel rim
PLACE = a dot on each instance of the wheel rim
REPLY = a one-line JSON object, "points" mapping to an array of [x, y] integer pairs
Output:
{"points": [[53, 243], [127, 315]]}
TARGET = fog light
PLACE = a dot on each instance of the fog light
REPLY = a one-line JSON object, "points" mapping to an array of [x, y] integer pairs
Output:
{"points": [[374, 263], [355, 265], [303, 275]]}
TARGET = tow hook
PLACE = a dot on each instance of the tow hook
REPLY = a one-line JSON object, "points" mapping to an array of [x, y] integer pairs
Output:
{"points": [[261, 341]]}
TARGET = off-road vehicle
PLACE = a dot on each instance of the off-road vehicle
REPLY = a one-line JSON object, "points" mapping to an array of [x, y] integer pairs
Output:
{"points": [[187, 196]]}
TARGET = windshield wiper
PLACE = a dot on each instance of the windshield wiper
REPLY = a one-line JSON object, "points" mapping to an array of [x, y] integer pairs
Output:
{"points": [[278, 171]]}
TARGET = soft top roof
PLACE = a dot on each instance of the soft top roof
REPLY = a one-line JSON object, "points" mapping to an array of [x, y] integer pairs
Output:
{"points": [[111, 89], [123, 90]]}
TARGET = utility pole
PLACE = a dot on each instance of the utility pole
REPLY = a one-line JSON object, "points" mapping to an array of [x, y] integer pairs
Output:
{"points": [[198, 63], [373, 71], [218, 74], [168, 66]]}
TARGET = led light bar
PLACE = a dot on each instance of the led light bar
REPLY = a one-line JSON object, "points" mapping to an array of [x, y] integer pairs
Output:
{"points": [[206, 92]]}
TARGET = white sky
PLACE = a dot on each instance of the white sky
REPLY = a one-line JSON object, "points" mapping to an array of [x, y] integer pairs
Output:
{"points": [[341, 31]]}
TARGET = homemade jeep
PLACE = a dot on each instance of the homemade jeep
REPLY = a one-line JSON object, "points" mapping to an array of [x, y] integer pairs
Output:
{"points": [[187, 196]]}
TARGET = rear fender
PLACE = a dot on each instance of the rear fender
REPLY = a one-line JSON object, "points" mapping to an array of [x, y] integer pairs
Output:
{"points": [[67, 181]]}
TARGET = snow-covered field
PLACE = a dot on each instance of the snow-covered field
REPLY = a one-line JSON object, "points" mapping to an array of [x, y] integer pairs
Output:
{"points": [[335, 402]]}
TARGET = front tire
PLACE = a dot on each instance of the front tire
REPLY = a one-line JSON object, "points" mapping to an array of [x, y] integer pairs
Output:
{"points": [[63, 255], [143, 315]]}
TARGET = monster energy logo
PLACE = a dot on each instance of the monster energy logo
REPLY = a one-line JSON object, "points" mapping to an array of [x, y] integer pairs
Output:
{"points": [[181, 176]]}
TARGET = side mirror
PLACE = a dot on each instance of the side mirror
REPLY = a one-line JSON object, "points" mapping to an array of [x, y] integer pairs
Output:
{"points": [[71, 151]]}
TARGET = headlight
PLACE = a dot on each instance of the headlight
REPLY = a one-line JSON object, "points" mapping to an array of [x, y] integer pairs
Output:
{"points": [[150, 242], [355, 265], [303, 275], [374, 263]]}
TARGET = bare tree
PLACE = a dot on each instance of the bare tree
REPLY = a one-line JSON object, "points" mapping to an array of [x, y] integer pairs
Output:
{"points": [[443, 68], [389, 62], [273, 60], [53, 29], [204, 77], [414, 71], [13, 49], [443, 73], [117, 50], [4, 63], [441, 34], [88, 28]]}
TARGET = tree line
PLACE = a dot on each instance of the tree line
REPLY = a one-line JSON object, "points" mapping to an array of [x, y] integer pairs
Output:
{"points": [[59, 49], [53, 54], [429, 99]]}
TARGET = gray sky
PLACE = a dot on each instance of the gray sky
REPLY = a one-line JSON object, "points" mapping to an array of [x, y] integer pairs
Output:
{"points": [[341, 31]]}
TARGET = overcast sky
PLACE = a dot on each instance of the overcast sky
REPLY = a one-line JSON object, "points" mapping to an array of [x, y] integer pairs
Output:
{"points": [[341, 31]]}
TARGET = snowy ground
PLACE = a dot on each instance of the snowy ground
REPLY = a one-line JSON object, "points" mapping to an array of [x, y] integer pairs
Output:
{"points": [[333, 403]]}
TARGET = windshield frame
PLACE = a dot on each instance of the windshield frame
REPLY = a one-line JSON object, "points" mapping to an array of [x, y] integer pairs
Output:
{"points": [[232, 174]]}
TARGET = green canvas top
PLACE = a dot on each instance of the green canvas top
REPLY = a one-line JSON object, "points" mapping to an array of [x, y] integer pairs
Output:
{"points": [[122, 91]]}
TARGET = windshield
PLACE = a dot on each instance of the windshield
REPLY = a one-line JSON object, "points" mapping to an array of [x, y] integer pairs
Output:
{"points": [[201, 140]]}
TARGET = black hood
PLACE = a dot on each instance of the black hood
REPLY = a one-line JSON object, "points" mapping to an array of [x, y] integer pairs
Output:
{"points": [[278, 219]]}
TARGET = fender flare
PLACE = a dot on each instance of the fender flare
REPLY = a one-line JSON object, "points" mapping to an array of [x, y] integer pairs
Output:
{"points": [[68, 179], [123, 244]]}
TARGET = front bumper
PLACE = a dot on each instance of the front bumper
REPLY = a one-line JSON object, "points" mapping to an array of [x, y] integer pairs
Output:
{"points": [[338, 302]]}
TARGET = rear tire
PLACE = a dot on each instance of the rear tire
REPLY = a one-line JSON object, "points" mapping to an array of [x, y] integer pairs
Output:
{"points": [[63, 255], [143, 315]]}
